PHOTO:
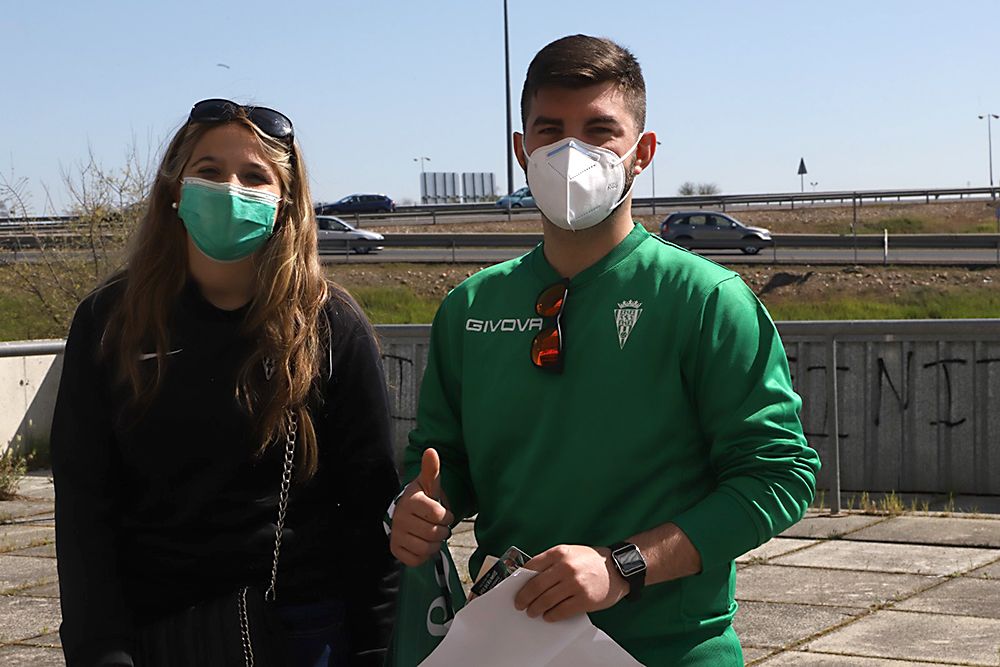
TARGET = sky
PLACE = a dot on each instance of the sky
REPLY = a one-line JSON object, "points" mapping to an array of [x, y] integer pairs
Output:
{"points": [[873, 94]]}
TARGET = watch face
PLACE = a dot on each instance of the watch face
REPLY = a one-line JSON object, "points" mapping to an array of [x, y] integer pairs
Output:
{"points": [[629, 560]]}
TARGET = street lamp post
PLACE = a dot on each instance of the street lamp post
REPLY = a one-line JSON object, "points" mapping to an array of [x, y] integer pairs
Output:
{"points": [[989, 143], [509, 138], [652, 166], [421, 160]]}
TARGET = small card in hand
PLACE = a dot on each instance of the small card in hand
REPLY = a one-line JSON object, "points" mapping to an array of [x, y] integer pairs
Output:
{"points": [[511, 560]]}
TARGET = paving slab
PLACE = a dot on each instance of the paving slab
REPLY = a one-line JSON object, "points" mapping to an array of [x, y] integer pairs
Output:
{"points": [[464, 526], [813, 586], [14, 537], [18, 572], [35, 496], [50, 590], [466, 538], [803, 659], [43, 551], [50, 640], [38, 484], [964, 532], [776, 625], [888, 557], [31, 656], [826, 525], [991, 571], [26, 617], [23, 507], [751, 655], [774, 547], [917, 636], [461, 556], [963, 596]]}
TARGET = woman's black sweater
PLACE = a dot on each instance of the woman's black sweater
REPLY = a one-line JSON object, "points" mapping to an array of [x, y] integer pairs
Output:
{"points": [[157, 513]]}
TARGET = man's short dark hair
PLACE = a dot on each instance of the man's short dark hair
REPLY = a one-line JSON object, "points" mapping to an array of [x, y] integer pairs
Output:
{"points": [[579, 61]]}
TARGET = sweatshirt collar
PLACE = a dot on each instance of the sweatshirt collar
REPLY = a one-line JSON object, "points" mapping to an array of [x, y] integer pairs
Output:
{"points": [[540, 265]]}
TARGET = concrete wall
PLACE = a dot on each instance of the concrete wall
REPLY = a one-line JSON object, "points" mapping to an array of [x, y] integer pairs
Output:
{"points": [[918, 402], [28, 387], [917, 412]]}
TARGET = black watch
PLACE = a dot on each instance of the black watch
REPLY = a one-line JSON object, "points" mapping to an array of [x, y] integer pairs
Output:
{"points": [[631, 565]]}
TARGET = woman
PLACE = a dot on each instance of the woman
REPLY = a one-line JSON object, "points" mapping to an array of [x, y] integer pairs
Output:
{"points": [[186, 378]]}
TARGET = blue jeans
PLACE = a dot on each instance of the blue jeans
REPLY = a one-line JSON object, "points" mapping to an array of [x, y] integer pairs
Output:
{"points": [[317, 634]]}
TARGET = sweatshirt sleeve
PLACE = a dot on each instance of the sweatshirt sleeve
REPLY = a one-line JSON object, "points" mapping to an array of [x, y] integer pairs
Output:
{"points": [[439, 412], [96, 627], [360, 411], [748, 412]]}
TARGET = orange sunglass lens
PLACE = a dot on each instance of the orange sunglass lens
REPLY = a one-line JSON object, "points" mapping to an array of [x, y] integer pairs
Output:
{"points": [[550, 302], [545, 349]]}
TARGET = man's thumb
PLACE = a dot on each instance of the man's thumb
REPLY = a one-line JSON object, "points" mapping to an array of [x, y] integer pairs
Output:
{"points": [[430, 474]]}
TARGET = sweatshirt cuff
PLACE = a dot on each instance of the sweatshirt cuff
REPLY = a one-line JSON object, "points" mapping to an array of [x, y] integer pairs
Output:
{"points": [[720, 527]]}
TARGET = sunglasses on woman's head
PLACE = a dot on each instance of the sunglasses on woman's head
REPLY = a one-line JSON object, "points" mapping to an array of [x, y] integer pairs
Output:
{"points": [[272, 123], [547, 347]]}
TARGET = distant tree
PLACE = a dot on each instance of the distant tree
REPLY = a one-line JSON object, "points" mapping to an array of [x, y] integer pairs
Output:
{"points": [[687, 189]]}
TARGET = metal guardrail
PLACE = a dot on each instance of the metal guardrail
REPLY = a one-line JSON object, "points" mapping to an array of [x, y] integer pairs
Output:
{"points": [[524, 240], [721, 201], [31, 348]]}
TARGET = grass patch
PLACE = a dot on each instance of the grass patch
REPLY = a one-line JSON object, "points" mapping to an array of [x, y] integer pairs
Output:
{"points": [[23, 315], [896, 225], [395, 305], [22, 319], [916, 304]]}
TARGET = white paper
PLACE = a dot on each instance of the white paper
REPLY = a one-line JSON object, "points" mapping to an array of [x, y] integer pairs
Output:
{"points": [[490, 632]]}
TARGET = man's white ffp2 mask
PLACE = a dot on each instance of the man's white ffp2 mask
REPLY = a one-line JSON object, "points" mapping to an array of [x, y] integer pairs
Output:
{"points": [[576, 185]]}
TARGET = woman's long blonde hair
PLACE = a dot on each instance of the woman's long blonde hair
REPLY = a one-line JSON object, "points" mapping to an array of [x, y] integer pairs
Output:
{"points": [[284, 318]]}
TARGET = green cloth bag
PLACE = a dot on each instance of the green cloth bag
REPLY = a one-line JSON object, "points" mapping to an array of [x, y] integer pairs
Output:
{"points": [[429, 597]]}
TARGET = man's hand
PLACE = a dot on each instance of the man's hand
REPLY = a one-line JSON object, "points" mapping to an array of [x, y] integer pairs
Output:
{"points": [[571, 580], [420, 522]]}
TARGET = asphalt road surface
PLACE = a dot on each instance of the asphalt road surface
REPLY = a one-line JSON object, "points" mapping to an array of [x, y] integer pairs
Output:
{"points": [[486, 256]]}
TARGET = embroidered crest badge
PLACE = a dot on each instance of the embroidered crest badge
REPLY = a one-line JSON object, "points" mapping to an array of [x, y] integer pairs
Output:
{"points": [[626, 315]]}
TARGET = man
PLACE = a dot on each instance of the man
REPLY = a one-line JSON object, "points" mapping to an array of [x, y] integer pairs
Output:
{"points": [[612, 404]]}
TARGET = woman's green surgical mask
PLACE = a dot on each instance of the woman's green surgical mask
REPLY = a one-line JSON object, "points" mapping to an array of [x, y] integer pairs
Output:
{"points": [[227, 222]]}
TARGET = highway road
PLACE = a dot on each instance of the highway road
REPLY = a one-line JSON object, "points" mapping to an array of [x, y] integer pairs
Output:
{"points": [[486, 256], [916, 256]]}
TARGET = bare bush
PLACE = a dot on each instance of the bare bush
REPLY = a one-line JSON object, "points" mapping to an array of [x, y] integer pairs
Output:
{"points": [[59, 264]]}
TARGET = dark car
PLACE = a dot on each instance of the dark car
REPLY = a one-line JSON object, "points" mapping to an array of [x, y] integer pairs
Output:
{"points": [[725, 230], [335, 235], [358, 204]]}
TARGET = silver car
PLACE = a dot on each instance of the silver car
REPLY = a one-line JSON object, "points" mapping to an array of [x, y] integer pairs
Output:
{"points": [[335, 235], [520, 198], [723, 231]]}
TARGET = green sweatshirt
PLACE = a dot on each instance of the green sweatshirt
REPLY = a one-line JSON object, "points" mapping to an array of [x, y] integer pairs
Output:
{"points": [[675, 405]]}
